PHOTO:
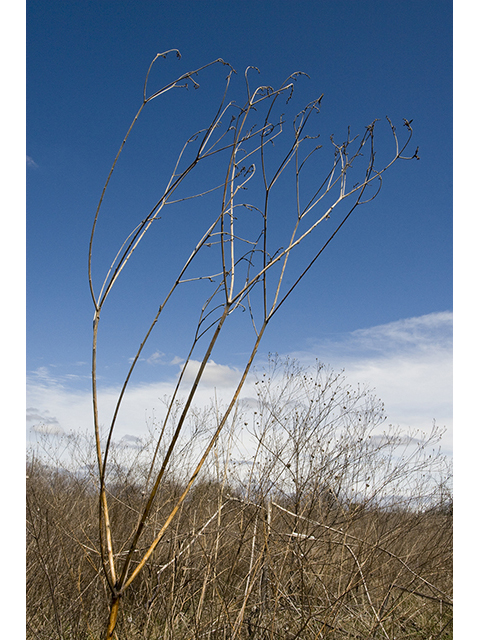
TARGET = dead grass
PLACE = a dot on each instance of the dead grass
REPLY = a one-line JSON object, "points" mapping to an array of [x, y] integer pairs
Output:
{"points": [[227, 569]]}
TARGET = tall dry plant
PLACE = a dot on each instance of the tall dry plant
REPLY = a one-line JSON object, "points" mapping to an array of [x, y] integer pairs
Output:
{"points": [[243, 253]]}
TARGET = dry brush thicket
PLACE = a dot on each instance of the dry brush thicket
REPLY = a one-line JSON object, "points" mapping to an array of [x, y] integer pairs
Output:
{"points": [[308, 521]]}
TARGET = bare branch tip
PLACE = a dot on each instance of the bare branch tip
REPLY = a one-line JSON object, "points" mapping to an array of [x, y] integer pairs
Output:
{"points": [[299, 73], [226, 64], [165, 54]]}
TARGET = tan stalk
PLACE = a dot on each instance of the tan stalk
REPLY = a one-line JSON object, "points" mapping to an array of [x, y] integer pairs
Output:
{"points": [[199, 466]]}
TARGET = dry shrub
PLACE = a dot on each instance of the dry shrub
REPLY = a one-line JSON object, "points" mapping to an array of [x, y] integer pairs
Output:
{"points": [[277, 548]]}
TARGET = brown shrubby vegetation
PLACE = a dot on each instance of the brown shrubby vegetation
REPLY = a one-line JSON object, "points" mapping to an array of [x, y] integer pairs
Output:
{"points": [[308, 521]]}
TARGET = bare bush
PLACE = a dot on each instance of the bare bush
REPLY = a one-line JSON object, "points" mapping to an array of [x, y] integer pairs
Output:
{"points": [[275, 544]]}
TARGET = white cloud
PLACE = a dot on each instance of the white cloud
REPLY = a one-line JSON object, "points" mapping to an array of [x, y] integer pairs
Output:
{"points": [[131, 441], [215, 375], [142, 403], [408, 365], [156, 358], [31, 162], [49, 429], [421, 333]]}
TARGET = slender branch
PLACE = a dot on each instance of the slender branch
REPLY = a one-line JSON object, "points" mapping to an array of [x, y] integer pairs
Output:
{"points": [[376, 545], [198, 468]]}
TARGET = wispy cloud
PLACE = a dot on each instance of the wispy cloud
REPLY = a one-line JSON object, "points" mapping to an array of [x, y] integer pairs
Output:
{"points": [[142, 403], [215, 375], [156, 358], [418, 334], [49, 429], [408, 365], [42, 422], [31, 163]]}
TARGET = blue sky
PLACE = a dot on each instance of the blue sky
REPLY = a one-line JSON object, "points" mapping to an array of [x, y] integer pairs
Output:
{"points": [[378, 303]]}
